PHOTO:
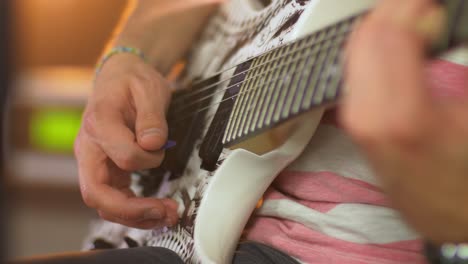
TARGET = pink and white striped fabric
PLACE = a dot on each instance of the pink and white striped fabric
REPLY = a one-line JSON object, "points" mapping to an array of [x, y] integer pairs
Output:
{"points": [[327, 206]]}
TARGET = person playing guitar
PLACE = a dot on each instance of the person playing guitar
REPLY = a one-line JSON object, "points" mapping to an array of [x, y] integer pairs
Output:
{"points": [[397, 132]]}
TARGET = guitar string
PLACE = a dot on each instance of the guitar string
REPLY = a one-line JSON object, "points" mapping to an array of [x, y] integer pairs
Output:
{"points": [[186, 106], [261, 54], [313, 37], [199, 90], [213, 85], [312, 52], [225, 99]]}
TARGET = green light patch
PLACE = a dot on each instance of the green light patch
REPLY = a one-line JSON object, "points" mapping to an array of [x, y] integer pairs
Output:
{"points": [[54, 130]]}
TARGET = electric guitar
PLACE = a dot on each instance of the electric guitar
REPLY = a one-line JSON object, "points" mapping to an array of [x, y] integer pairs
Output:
{"points": [[260, 69]]}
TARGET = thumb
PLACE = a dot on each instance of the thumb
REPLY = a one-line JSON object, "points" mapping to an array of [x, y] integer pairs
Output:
{"points": [[151, 129], [150, 124]]}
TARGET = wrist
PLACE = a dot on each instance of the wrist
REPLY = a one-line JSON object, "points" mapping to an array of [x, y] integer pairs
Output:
{"points": [[158, 55], [165, 37], [120, 50]]}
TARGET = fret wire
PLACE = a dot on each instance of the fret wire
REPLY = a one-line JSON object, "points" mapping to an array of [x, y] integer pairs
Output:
{"points": [[350, 19], [258, 108], [334, 83], [320, 92], [228, 79], [239, 100], [314, 78], [236, 102], [306, 73], [335, 87], [276, 69], [245, 98], [208, 97], [279, 51], [335, 69], [249, 97], [234, 67], [316, 47], [255, 95], [270, 90], [332, 88], [290, 75], [295, 84], [331, 52], [277, 90], [229, 126]]}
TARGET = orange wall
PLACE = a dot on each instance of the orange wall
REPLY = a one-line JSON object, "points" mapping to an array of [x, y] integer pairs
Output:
{"points": [[62, 32]]}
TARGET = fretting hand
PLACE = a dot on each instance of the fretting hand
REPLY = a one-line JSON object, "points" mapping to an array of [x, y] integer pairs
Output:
{"points": [[417, 144]]}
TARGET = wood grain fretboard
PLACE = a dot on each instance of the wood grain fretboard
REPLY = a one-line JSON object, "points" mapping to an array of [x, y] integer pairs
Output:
{"points": [[288, 81]]}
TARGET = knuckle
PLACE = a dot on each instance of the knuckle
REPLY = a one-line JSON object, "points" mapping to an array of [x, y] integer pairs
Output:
{"points": [[87, 197], [404, 132], [105, 216], [151, 116], [127, 216], [127, 161], [152, 120], [144, 81], [89, 122]]}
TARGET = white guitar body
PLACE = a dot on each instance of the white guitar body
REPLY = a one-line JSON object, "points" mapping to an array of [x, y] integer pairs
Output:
{"points": [[229, 196], [243, 177]]}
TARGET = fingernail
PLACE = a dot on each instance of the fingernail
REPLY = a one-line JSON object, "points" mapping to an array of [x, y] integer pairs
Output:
{"points": [[169, 144], [151, 132], [153, 214]]}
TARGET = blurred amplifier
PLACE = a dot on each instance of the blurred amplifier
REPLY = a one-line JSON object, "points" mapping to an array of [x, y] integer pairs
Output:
{"points": [[44, 118]]}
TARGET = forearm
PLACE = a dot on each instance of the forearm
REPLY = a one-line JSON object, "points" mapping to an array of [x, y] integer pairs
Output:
{"points": [[164, 29]]}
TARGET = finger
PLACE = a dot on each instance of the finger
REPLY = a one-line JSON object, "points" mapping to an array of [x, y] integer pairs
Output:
{"points": [[170, 219], [94, 175], [151, 97], [97, 193], [171, 211], [118, 141], [128, 209], [145, 224], [423, 17], [386, 80]]}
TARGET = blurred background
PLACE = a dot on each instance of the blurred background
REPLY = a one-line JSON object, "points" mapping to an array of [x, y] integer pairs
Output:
{"points": [[56, 44]]}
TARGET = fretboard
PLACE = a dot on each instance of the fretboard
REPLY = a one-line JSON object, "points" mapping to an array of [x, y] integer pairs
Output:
{"points": [[274, 87], [288, 81], [295, 78]]}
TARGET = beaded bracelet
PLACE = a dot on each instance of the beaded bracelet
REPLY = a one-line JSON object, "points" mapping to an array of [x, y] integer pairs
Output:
{"points": [[118, 50]]}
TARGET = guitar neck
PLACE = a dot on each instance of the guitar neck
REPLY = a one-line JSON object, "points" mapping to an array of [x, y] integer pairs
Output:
{"points": [[288, 81], [305, 74], [276, 86]]}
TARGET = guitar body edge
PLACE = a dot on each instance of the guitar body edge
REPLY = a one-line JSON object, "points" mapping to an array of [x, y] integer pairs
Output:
{"points": [[245, 176]]}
